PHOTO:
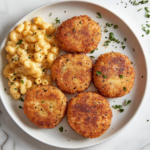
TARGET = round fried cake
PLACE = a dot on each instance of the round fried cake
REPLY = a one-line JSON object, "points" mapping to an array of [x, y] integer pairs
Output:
{"points": [[78, 34], [45, 106], [113, 74], [72, 72], [89, 114]]}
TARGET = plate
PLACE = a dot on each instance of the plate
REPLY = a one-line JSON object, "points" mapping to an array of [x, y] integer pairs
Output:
{"points": [[70, 139]]}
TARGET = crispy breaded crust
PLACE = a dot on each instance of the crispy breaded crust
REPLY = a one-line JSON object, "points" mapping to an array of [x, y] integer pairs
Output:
{"points": [[119, 71], [78, 34], [45, 106], [89, 114], [72, 72]]}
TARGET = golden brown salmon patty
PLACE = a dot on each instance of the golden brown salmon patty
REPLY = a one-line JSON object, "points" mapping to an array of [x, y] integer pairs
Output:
{"points": [[78, 34], [89, 114], [45, 106], [113, 74], [72, 72]]}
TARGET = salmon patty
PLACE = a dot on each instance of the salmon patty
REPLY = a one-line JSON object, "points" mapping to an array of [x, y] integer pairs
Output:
{"points": [[89, 114], [113, 74], [72, 72], [45, 106], [79, 34]]}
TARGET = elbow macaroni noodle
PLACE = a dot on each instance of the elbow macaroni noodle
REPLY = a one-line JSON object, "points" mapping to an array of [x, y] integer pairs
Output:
{"points": [[31, 51]]}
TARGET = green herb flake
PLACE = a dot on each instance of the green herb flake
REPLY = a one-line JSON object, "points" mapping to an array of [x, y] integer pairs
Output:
{"points": [[146, 8], [5, 89], [57, 20], [64, 11], [148, 25], [147, 120], [92, 56], [73, 29], [121, 76], [22, 81], [65, 130], [91, 51], [104, 76], [124, 88], [117, 106], [105, 30], [43, 70], [42, 102], [16, 89], [98, 73], [140, 9], [123, 47], [21, 99], [19, 42], [12, 83], [61, 129], [133, 50], [14, 74], [122, 43], [115, 26], [125, 39], [50, 14], [121, 110], [20, 107], [147, 32], [109, 25], [44, 90], [142, 35], [127, 102], [96, 48], [99, 15]]}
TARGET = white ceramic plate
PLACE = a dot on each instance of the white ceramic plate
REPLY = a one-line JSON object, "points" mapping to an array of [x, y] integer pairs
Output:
{"points": [[71, 139]]}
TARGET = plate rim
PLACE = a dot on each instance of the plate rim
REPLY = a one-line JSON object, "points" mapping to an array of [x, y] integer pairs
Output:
{"points": [[146, 66]]}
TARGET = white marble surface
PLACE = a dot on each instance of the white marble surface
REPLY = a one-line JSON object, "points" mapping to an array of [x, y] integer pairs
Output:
{"points": [[136, 136]]}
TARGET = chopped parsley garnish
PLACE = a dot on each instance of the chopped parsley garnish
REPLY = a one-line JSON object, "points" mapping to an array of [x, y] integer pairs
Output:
{"points": [[98, 73], [64, 11], [115, 26], [147, 120], [43, 70], [48, 35], [124, 88], [121, 110], [21, 99], [148, 25], [92, 56], [147, 32], [105, 30], [121, 76], [122, 43], [99, 15], [12, 83], [42, 102], [29, 57], [57, 20], [111, 37], [19, 42], [140, 2], [123, 47], [125, 39], [50, 14], [20, 107], [73, 29], [92, 51], [96, 48], [14, 74], [61, 129], [146, 8], [133, 50], [142, 35], [106, 43], [80, 22], [5, 89], [109, 25], [22, 81], [16, 89], [117, 106], [140, 9], [104, 76], [44, 90], [127, 102]]}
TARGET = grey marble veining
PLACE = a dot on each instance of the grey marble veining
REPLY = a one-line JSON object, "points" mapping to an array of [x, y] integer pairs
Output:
{"points": [[136, 136]]}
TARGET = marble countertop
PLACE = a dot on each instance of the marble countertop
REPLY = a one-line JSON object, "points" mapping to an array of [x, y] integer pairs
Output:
{"points": [[136, 136]]}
